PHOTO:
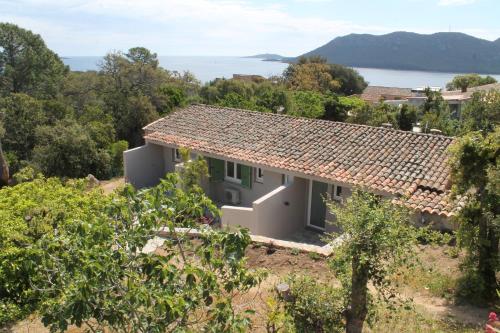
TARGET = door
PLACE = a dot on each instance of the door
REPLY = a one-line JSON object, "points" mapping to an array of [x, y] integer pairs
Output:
{"points": [[317, 206]]}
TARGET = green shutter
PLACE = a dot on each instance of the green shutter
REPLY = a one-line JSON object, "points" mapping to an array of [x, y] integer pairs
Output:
{"points": [[246, 176], [216, 170]]}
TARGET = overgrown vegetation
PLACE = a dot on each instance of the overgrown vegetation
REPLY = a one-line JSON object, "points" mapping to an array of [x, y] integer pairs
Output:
{"points": [[77, 257], [462, 82]]}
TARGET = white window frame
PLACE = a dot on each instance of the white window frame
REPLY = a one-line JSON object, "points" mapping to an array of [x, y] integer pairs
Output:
{"points": [[257, 172], [287, 179], [333, 192], [177, 155], [234, 179]]}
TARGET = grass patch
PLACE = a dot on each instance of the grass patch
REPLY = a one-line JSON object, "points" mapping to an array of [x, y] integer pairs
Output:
{"points": [[416, 322], [314, 256], [432, 281]]}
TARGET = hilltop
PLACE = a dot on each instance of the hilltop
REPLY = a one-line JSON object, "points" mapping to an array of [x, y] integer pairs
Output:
{"points": [[443, 52]]}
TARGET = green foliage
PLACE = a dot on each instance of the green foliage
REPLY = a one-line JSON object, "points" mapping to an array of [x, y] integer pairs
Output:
{"points": [[436, 114], [95, 272], [311, 74], [193, 172], [116, 152], [337, 108], [27, 65], [351, 82], [22, 114], [174, 97], [68, 150], [462, 82], [406, 117], [474, 162], [30, 211], [26, 174], [481, 113], [313, 306], [378, 241], [262, 96], [307, 104], [315, 74], [374, 115]]}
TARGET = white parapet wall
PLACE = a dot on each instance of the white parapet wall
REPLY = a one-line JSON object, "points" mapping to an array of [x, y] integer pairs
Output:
{"points": [[144, 165], [279, 213]]}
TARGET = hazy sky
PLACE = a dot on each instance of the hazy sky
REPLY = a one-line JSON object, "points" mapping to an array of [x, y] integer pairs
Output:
{"points": [[227, 27]]}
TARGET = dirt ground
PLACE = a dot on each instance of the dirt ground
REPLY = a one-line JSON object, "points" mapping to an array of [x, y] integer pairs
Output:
{"points": [[108, 186], [281, 262]]}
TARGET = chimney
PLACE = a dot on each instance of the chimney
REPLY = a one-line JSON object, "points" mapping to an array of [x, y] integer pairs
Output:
{"points": [[435, 131]]}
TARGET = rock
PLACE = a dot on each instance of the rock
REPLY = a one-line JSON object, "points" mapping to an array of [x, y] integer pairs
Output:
{"points": [[92, 181]]}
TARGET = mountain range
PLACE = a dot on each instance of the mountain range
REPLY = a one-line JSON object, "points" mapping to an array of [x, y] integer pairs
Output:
{"points": [[441, 52]]}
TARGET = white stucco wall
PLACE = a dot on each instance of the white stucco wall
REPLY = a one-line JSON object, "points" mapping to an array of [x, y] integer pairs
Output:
{"points": [[168, 160], [271, 181], [144, 166], [278, 214]]}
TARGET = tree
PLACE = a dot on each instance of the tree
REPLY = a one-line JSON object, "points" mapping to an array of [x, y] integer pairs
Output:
{"points": [[378, 240], [338, 108], [463, 82], [314, 73], [22, 115], [373, 115], [27, 65], [97, 272], [28, 211], [436, 114], [68, 150], [4, 166], [481, 113], [406, 117], [307, 104], [474, 166], [131, 88], [351, 82], [310, 74], [116, 152]]}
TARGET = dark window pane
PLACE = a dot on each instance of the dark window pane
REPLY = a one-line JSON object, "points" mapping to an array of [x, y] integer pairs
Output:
{"points": [[338, 191], [230, 169], [238, 171]]}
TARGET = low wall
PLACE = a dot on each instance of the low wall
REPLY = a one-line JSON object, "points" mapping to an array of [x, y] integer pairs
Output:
{"points": [[144, 166], [239, 217], [279, 213]]}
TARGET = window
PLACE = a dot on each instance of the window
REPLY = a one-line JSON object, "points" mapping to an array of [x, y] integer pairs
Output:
{"points": [[337, 192], [287, 179], [259, 175], [177, 155], [233, 172]]}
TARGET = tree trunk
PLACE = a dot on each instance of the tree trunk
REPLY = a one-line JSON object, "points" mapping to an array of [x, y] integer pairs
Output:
{"points": [[488, 258], [4, 168], [358, 310]]}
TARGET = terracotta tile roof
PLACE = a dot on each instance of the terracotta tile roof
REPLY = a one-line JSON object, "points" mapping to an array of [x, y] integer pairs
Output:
{"points": [[458, 94], [373, 94], [385, 160]]}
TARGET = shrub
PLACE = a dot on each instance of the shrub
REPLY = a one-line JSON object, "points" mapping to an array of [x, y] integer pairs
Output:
{"points": [[313, 306], [116, 152]]}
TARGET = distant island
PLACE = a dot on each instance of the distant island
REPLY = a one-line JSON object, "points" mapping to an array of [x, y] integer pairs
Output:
{"points": [[440, 52], [267, 57]]}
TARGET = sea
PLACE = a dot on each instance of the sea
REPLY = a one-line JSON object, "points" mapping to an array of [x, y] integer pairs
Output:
{"points": [[207, 68]]}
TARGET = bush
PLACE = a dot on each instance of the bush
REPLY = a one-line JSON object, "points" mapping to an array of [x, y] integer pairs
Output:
{"points": [[116, 152], [314, 306], [28, 211]]}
